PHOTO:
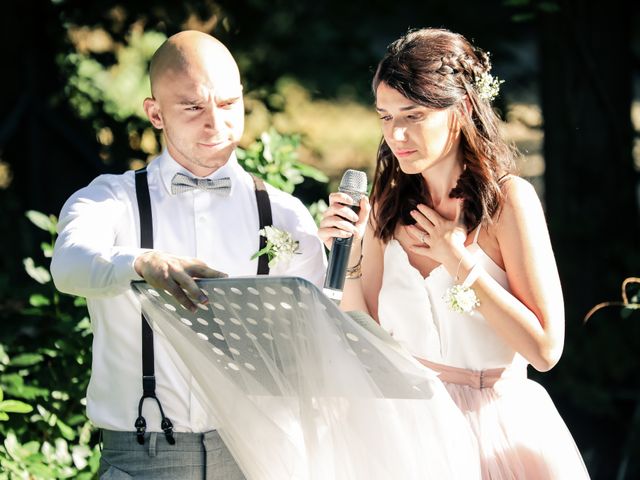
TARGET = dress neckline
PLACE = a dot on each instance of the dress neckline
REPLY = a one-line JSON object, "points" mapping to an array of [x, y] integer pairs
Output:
{"points": [[475, 244]]}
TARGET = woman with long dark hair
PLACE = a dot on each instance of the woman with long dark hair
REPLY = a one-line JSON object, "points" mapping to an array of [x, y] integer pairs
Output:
{"points": [[456, 261]]}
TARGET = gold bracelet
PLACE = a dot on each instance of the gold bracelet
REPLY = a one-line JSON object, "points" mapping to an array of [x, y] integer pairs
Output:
{"points": [[355, 271]]}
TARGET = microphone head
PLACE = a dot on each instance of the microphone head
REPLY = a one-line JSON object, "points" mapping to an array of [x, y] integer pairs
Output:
{"points": [[354, 184]]}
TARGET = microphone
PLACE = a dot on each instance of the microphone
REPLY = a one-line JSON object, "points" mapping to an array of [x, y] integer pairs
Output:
{"points": [[354, 184]]}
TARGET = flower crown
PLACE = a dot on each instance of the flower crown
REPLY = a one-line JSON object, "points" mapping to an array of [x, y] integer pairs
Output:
{"points": [[487, 86]]}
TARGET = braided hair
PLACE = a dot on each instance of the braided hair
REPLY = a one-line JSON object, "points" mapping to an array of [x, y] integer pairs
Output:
{"points": [[437, 68]]}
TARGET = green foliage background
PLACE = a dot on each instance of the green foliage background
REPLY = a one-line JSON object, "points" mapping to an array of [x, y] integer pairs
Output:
{"points": [[44, 368], [70, 109]]}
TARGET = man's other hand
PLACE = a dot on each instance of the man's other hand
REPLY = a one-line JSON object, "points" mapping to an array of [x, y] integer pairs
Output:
{"points": [[176, 275]]}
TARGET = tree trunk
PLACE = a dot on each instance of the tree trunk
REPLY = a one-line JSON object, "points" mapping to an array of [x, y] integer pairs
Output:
{"points": [[590, 194], [590, 182]]}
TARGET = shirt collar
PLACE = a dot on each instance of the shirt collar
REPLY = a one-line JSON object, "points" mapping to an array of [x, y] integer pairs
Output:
{"points": [[168, 167]]}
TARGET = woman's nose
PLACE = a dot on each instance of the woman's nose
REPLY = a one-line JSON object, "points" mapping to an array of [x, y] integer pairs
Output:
{"points": [[398, 134]]}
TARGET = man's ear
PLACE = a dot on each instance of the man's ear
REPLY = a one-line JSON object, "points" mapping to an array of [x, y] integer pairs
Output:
{"points": [[152, 109]]}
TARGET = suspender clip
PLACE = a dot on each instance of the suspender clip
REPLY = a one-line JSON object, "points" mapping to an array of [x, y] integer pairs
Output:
{"points": [[141, 428], [167, 428]]}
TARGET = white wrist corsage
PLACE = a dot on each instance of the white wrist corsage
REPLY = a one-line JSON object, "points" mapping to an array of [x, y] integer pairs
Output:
{"points": [[463, 298], [280, 246]]}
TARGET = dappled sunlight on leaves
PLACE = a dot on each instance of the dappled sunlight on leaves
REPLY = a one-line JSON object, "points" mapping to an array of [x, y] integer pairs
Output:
{"points": [[119, 88]]}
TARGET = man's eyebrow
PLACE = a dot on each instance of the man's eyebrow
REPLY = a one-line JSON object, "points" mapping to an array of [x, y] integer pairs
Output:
{"points": [[188, 101], [226, 98], [192, 101]]}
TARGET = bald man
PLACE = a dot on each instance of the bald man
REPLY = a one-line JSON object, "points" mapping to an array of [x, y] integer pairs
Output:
{"points": [[197, 216]]}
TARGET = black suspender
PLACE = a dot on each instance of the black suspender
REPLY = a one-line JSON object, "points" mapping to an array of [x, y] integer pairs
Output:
{"points": [[148, 364], [264, 215], [146, 241]]}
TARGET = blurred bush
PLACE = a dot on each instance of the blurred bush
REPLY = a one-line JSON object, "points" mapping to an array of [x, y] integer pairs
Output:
{"points": [[44, 367], [335, 135]]}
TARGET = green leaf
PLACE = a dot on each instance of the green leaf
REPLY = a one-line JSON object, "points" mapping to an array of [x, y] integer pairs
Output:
{"points": [[80, 455], [4, 358], [37, 468], [84, 326], [38, 300], [12, 445], [31, 448], [49, 417], [13, 384], [62, 451], [42, 221], [26, 360], [84, 476], [3, 417], [39, 274], [312, 172], [66, 431], [261, 252], [15, 406], [79, 302], [47, 249], [85, 432]]}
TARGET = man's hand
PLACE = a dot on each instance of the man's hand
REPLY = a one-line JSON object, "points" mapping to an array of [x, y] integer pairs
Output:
{"points": [[176, 275]]}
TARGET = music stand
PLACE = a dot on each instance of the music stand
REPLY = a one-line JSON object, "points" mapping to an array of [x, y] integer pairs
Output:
{"points": [[302, 390]]}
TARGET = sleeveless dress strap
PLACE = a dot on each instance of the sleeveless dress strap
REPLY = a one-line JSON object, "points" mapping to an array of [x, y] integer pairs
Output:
{"points": [[475, 237]]}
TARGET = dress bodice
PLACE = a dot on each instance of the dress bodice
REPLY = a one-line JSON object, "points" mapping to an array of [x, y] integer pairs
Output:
{"points": [[412, 309]]}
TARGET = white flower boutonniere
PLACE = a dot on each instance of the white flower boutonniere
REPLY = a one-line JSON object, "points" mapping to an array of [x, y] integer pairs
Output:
{"points": [[280, 246]]}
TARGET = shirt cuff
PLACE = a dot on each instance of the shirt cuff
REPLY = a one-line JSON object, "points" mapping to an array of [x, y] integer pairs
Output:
{"points": [[123, 260]]}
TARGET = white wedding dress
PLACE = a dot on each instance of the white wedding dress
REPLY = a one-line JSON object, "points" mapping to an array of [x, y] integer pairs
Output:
{"points": [[520, 434], [302, 391]]}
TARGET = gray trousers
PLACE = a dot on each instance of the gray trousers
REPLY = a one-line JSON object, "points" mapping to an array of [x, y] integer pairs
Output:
{"points": [[195, 456]]}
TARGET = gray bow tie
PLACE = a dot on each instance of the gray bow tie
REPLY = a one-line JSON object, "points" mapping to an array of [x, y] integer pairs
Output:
{"points": [[183, 183]]}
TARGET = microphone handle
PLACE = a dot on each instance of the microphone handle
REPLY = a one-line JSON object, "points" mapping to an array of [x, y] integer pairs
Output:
{"points": [[338, 263]]}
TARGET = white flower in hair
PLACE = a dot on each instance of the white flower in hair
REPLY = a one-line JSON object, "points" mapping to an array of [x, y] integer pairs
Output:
{"points": [[280, 245], [487, 86]]}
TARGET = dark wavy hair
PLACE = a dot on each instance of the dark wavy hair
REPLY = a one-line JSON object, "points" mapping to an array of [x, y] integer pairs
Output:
{"points": [[437, 68]]}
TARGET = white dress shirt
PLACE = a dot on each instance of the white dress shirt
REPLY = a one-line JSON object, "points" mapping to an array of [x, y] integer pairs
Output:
{"points": [[98, 242]]}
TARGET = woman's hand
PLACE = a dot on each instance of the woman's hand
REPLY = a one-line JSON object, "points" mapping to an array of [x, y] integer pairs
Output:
{"points": [[340, 221], [437, 237]]}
